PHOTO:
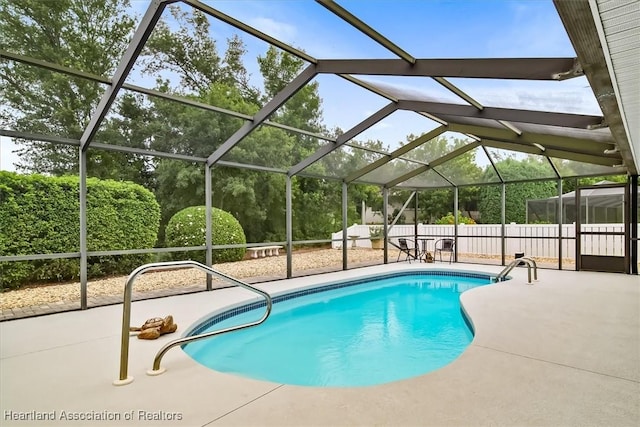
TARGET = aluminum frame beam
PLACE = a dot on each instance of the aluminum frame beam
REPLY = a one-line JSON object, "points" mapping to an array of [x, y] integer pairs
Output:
{"points": [[581, 121], [477, 68], [559, 221], [459, 92], [493, 164], [550, 152], [345, 225], [138, 151], [557, 141], [208, 203], [147, 24], [291, 89], [577, 146], [553, 166], [578, 20], [53, 67], [451, 183], [54, 139], [344, 138], [389, 45], [208, 10], [455, 153], [397, 153], [289, 225], [503, 222], [367, 30], [153, 93], [369, 87], [385, 223], [82, 218], [203, 106]]}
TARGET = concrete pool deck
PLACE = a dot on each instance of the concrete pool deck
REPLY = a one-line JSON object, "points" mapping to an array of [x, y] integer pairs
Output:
{"points": [[565, 351]]}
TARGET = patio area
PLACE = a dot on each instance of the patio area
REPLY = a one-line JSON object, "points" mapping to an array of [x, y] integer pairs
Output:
{"points": [[565, 351]]}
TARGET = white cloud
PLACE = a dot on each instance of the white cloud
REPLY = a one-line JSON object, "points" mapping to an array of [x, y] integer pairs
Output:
{"points": [[279, 30]]}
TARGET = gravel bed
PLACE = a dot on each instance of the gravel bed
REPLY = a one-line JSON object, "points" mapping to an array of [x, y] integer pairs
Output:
{"points": [[269, 267], [261, 267]]}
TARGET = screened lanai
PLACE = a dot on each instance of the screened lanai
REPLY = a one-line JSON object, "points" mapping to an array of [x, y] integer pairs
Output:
{"points": [[600, 206], [465, 121]]}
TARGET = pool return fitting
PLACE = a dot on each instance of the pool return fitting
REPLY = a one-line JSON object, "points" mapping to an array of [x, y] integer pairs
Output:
{"points": [[126, 315], [530, 262]]}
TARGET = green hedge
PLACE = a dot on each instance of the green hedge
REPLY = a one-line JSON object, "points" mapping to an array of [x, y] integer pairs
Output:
{"points": [[517, 194], [188, 228], [40, 215]]}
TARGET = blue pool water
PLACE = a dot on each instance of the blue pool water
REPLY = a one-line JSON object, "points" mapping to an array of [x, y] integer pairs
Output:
{"points": [[374, 332]]}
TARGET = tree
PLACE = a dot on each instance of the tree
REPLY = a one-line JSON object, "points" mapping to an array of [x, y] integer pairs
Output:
{"points": [[462, 169], [302, 110], [87, 36], [191, 53], [255, 198], [316, 202]]}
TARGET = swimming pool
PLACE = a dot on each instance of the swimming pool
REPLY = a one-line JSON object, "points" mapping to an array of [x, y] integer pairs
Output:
{"points": [[361, 332]]}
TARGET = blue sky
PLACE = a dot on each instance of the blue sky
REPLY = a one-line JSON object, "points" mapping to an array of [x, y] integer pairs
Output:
{"points": [[425, 29]]}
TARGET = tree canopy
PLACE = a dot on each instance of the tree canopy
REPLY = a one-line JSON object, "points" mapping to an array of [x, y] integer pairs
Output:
{"points": [[183, 58]]}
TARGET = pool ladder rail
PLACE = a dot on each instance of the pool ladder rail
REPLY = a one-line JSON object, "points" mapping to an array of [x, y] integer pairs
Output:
{"points": [[530, 262], [126, 315]]}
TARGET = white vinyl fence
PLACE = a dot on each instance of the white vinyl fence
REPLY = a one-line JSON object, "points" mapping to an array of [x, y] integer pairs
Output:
{"points": [[538, 240]]}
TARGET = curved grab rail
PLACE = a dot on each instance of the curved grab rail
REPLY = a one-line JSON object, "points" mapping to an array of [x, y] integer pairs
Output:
{"points": [[528, 261], [535, 268], [126, 313]]}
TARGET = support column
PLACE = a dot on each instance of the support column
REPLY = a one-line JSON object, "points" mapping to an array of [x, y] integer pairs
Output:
{"points": [[559, 221], [503, 215], [83, 227], [344, 226], [415, 223], [578, 221], [627, 209], [209, 222], [385, 222], [633, 211], [456, 220], [289, 228]]}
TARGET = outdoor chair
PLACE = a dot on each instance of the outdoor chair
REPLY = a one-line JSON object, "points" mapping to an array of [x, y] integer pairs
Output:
{"points": [[444, 245], [403, 247]]}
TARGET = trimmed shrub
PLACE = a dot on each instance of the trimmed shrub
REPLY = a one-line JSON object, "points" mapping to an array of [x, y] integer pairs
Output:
{"points": [[188, 228], [40, 215]]}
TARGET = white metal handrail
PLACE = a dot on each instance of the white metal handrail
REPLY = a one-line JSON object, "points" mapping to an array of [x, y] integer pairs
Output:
{"points": [[126, 314], [530, 262]]}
